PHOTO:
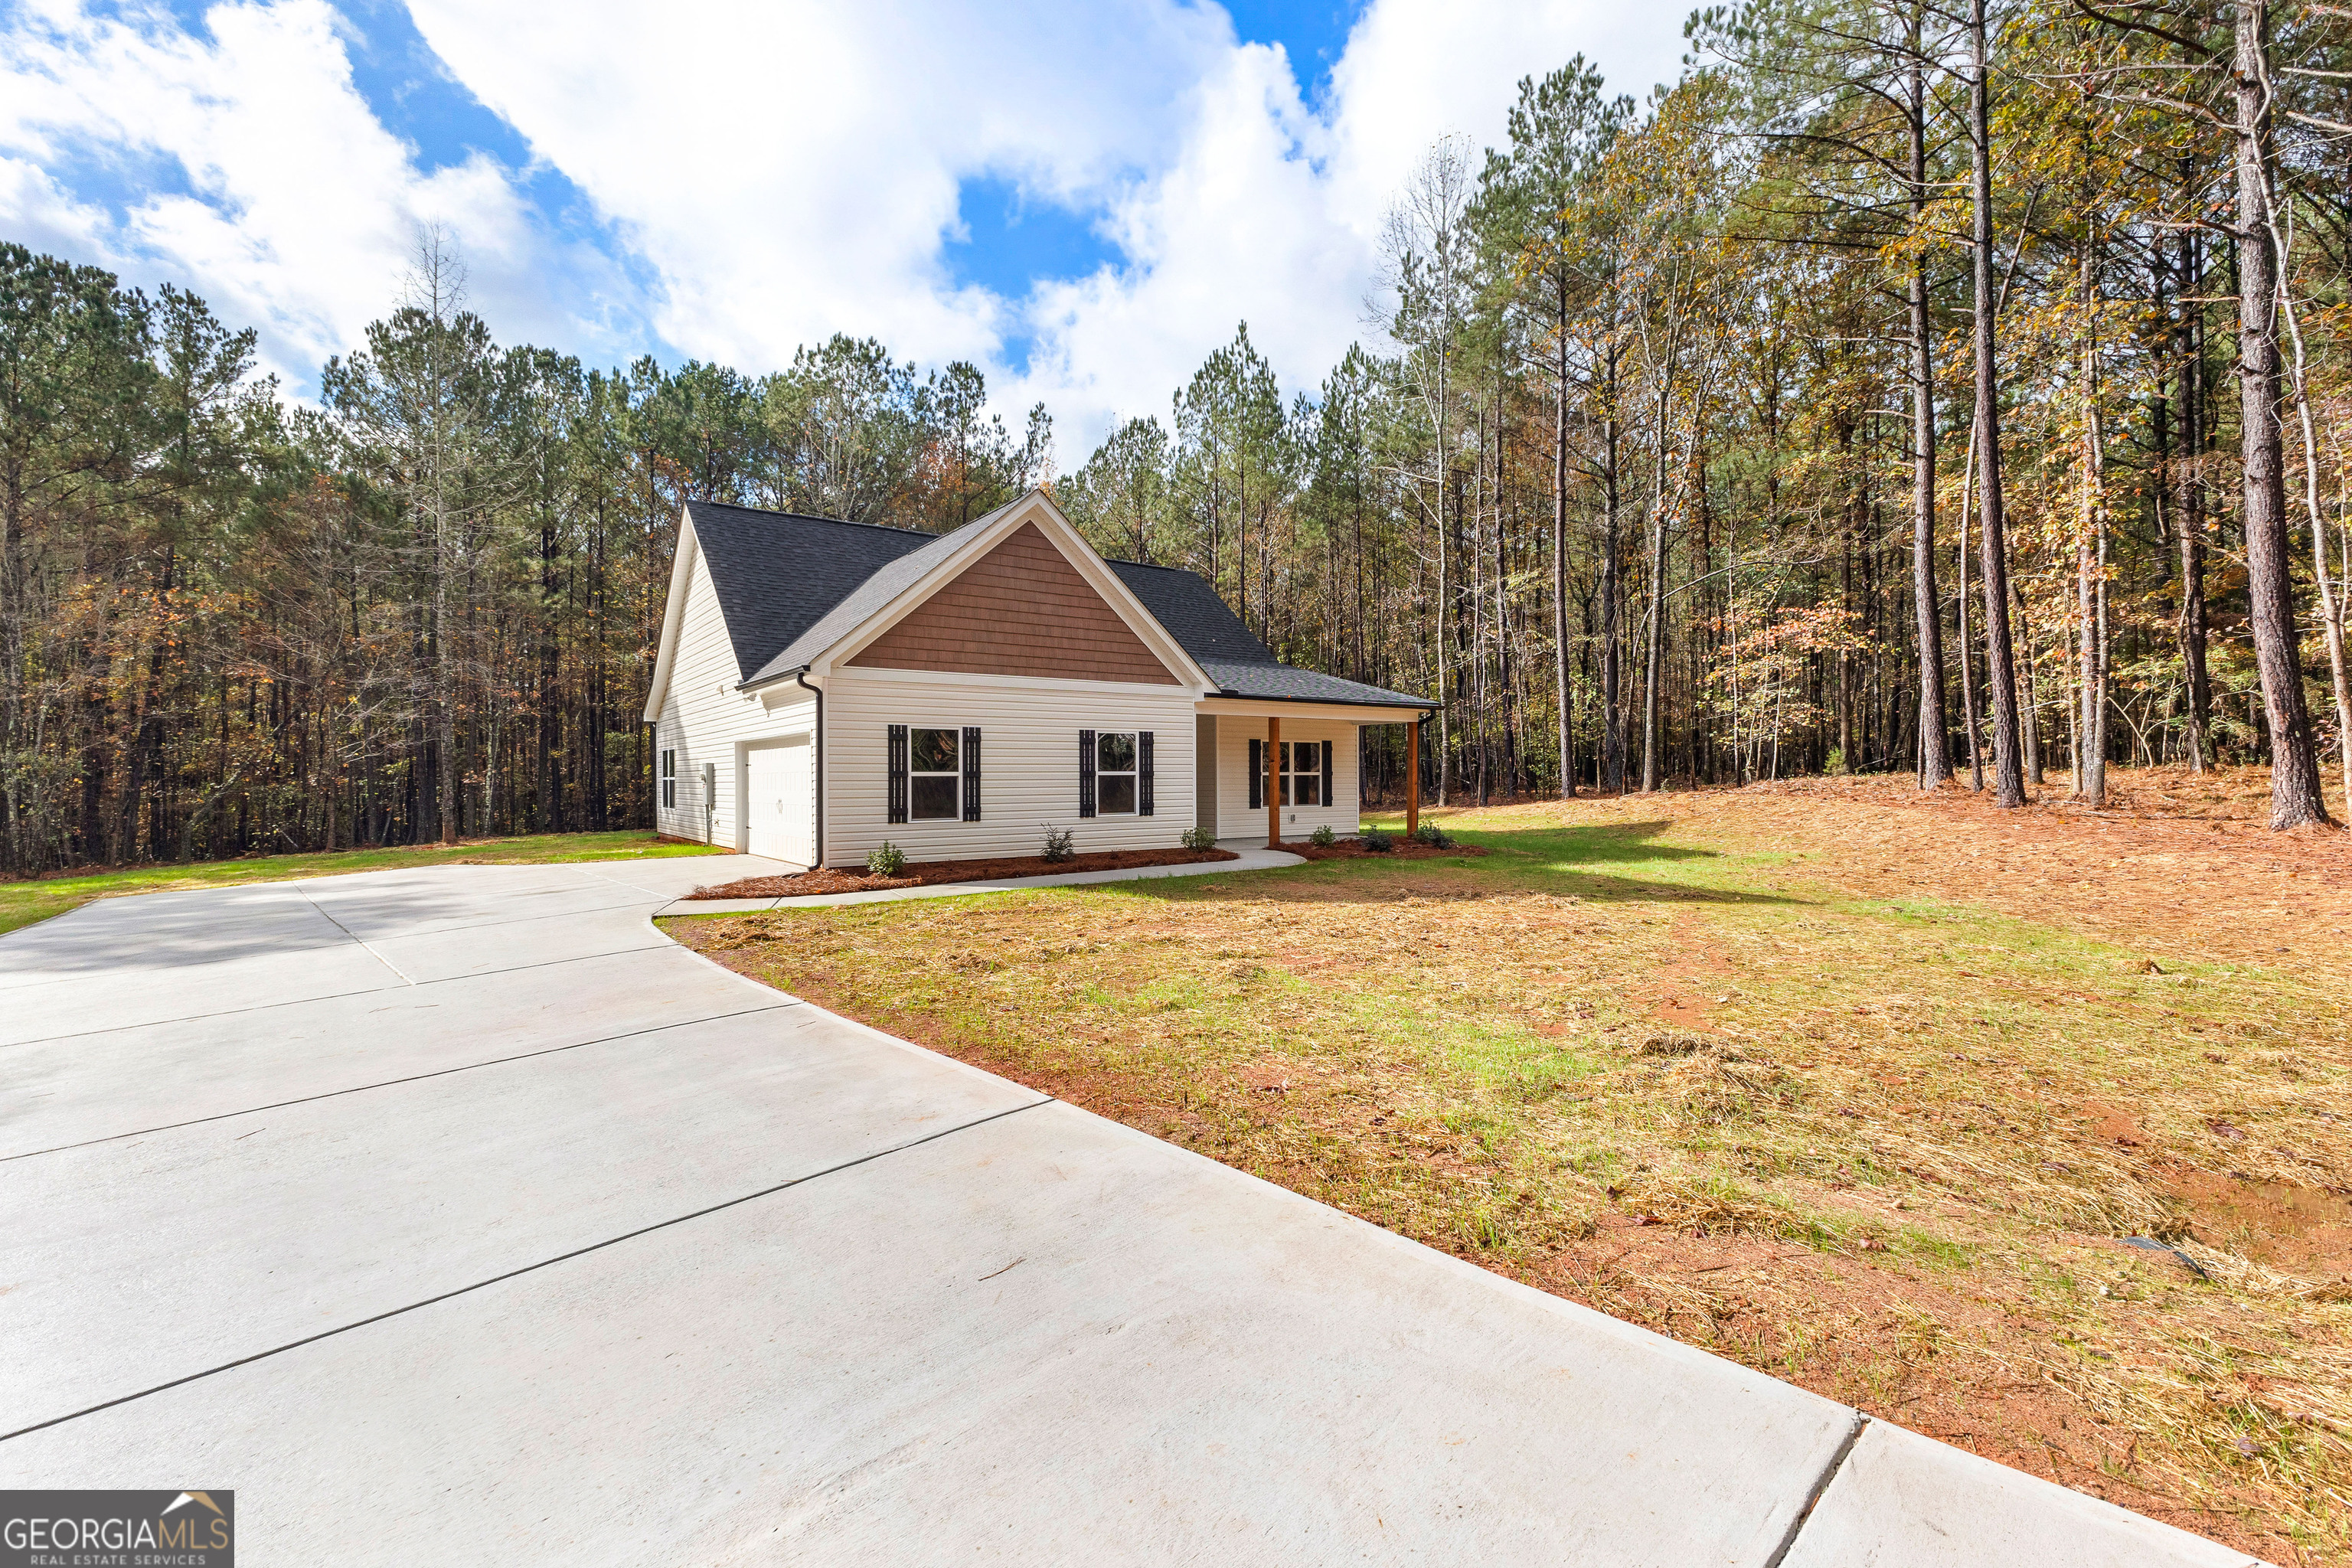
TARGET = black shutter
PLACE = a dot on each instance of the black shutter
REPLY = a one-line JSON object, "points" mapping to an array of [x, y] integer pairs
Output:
{"points": [[971, 773], [898, 773], [1143, 774], [1326, 775], [1258, 774], [1085, 772]]}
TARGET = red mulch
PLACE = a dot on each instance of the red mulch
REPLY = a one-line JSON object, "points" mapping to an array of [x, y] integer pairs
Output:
{"points": [[1400, 848], [929, 872]]}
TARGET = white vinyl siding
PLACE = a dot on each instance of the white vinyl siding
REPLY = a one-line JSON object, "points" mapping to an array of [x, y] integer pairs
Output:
{"points": [[1236, 819], [706, 720], [1028, 763]]}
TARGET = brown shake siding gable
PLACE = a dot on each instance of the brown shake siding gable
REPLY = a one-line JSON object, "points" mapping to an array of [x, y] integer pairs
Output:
{"points": [[1021, 609]]}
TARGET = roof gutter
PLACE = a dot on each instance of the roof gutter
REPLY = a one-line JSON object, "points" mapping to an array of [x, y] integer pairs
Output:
{"points": [[801, 674], [1426, 708]]}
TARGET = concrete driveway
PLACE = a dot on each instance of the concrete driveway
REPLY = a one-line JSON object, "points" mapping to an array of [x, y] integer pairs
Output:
{"points": [[456, 1215]]}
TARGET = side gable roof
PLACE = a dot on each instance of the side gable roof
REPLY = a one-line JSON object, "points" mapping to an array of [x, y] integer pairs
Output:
{"points": [[790, 587], [1223, 647], [767, 606]]}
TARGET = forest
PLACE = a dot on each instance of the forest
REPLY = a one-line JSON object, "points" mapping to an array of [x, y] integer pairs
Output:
{"points": [[1962, 393]]}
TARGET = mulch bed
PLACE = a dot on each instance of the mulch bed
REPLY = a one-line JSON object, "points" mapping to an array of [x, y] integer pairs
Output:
{"points": [[1400, 848], [827, 879]]}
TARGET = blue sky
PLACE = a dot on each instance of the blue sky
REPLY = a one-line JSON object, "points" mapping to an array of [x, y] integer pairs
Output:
{"points": [[1082, 197]]}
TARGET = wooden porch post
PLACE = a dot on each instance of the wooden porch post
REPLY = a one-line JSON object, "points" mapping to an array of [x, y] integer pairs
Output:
{"points": [[1273, 783], [1413, 783]]}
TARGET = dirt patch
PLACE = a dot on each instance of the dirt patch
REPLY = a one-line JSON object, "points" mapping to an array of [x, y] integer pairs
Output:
{"points": [[2305, 1231], [929, 873], [1400, 848]]}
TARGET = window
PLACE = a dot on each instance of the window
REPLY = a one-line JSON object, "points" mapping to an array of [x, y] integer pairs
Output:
{"points": [[1114, 773], [933, 776], [669, 779], [1302, 773]]}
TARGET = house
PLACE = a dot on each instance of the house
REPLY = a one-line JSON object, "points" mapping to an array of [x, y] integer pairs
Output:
{"points": [[824, 686]]}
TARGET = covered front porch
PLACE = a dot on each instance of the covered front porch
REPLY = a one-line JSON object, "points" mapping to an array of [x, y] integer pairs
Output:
{"points": [[1270, 772]]}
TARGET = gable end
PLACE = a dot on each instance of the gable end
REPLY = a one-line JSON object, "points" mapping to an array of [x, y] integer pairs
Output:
{"points": [[1022, 610]]}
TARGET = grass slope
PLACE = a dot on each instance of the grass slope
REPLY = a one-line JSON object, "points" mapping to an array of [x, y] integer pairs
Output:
{"points": [[23, 902], [1861, 1091]]}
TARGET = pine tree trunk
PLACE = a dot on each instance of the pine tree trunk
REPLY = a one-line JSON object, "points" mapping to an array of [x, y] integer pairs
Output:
{"points": [[2296, 798], [1613, 763], [1560, 545], [1935, 736], [2009, 780]]}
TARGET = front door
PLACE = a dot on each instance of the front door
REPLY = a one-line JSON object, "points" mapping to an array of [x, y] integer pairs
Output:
{"points": [[780, 802]]}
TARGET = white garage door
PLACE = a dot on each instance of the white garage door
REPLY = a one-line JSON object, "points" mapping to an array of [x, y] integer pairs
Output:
{"points": [[780, 802]]}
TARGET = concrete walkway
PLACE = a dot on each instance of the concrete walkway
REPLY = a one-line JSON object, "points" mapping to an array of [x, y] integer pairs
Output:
{"points": [[1253, 856], [456, 1215]]}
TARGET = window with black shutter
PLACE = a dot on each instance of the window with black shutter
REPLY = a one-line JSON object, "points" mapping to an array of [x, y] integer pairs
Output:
{"points": [[898, 773], [1085, 772], [1116, 784], [1326, 772], [971, 773], [1258, 774], [933, 779], [1143, 774]]}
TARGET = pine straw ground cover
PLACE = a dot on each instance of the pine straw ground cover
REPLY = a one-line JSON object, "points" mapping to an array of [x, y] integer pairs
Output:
{"points": [[1857, 1089]]}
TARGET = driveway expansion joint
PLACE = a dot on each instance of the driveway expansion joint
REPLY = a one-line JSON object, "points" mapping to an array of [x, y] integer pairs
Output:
{"points": [[410, 1077], [1820, 1486], [502, 1277]]}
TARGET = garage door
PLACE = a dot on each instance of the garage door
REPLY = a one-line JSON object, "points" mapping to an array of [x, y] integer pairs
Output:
{"points": [[780, 802]]}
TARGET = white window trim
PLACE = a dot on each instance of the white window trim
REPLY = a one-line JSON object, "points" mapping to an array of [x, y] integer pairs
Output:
{"points": [[954, 775], [669, 778], [1133, 771], [1287, 773]]}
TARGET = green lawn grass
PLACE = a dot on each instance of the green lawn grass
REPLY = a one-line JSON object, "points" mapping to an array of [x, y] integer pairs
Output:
{"points": [[36, 898]]}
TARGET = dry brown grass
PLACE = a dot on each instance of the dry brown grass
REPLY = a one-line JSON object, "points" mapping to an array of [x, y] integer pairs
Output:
{"points": [[1857, 1089]]}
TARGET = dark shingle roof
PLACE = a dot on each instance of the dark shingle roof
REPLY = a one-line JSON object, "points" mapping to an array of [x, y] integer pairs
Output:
{"points": [[1285, 683], [1223, 647], [791, 587], [890, 579], [777, 574]]}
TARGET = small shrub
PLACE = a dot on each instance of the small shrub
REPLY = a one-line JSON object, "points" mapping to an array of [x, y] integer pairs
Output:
{"points": [[887, 862], [1437, 838], [1057, 844], [1323, 837], [1199, 839], [1373, 839]]}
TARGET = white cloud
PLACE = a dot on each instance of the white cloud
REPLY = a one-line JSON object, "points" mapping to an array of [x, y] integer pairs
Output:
{"points": [[761, 174], [789, 170], [252, 171], [1272, 214]]}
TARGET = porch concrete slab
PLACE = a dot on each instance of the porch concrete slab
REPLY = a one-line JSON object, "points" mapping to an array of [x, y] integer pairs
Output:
{"points": [[1902, 1501], [1041, 1338], [98, 1000], [141, 1079], [230, 1238]]}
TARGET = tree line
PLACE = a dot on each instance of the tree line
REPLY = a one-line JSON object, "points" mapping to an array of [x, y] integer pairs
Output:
{"points": [[1962, 392], [1908, 388], [426, 606]]}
